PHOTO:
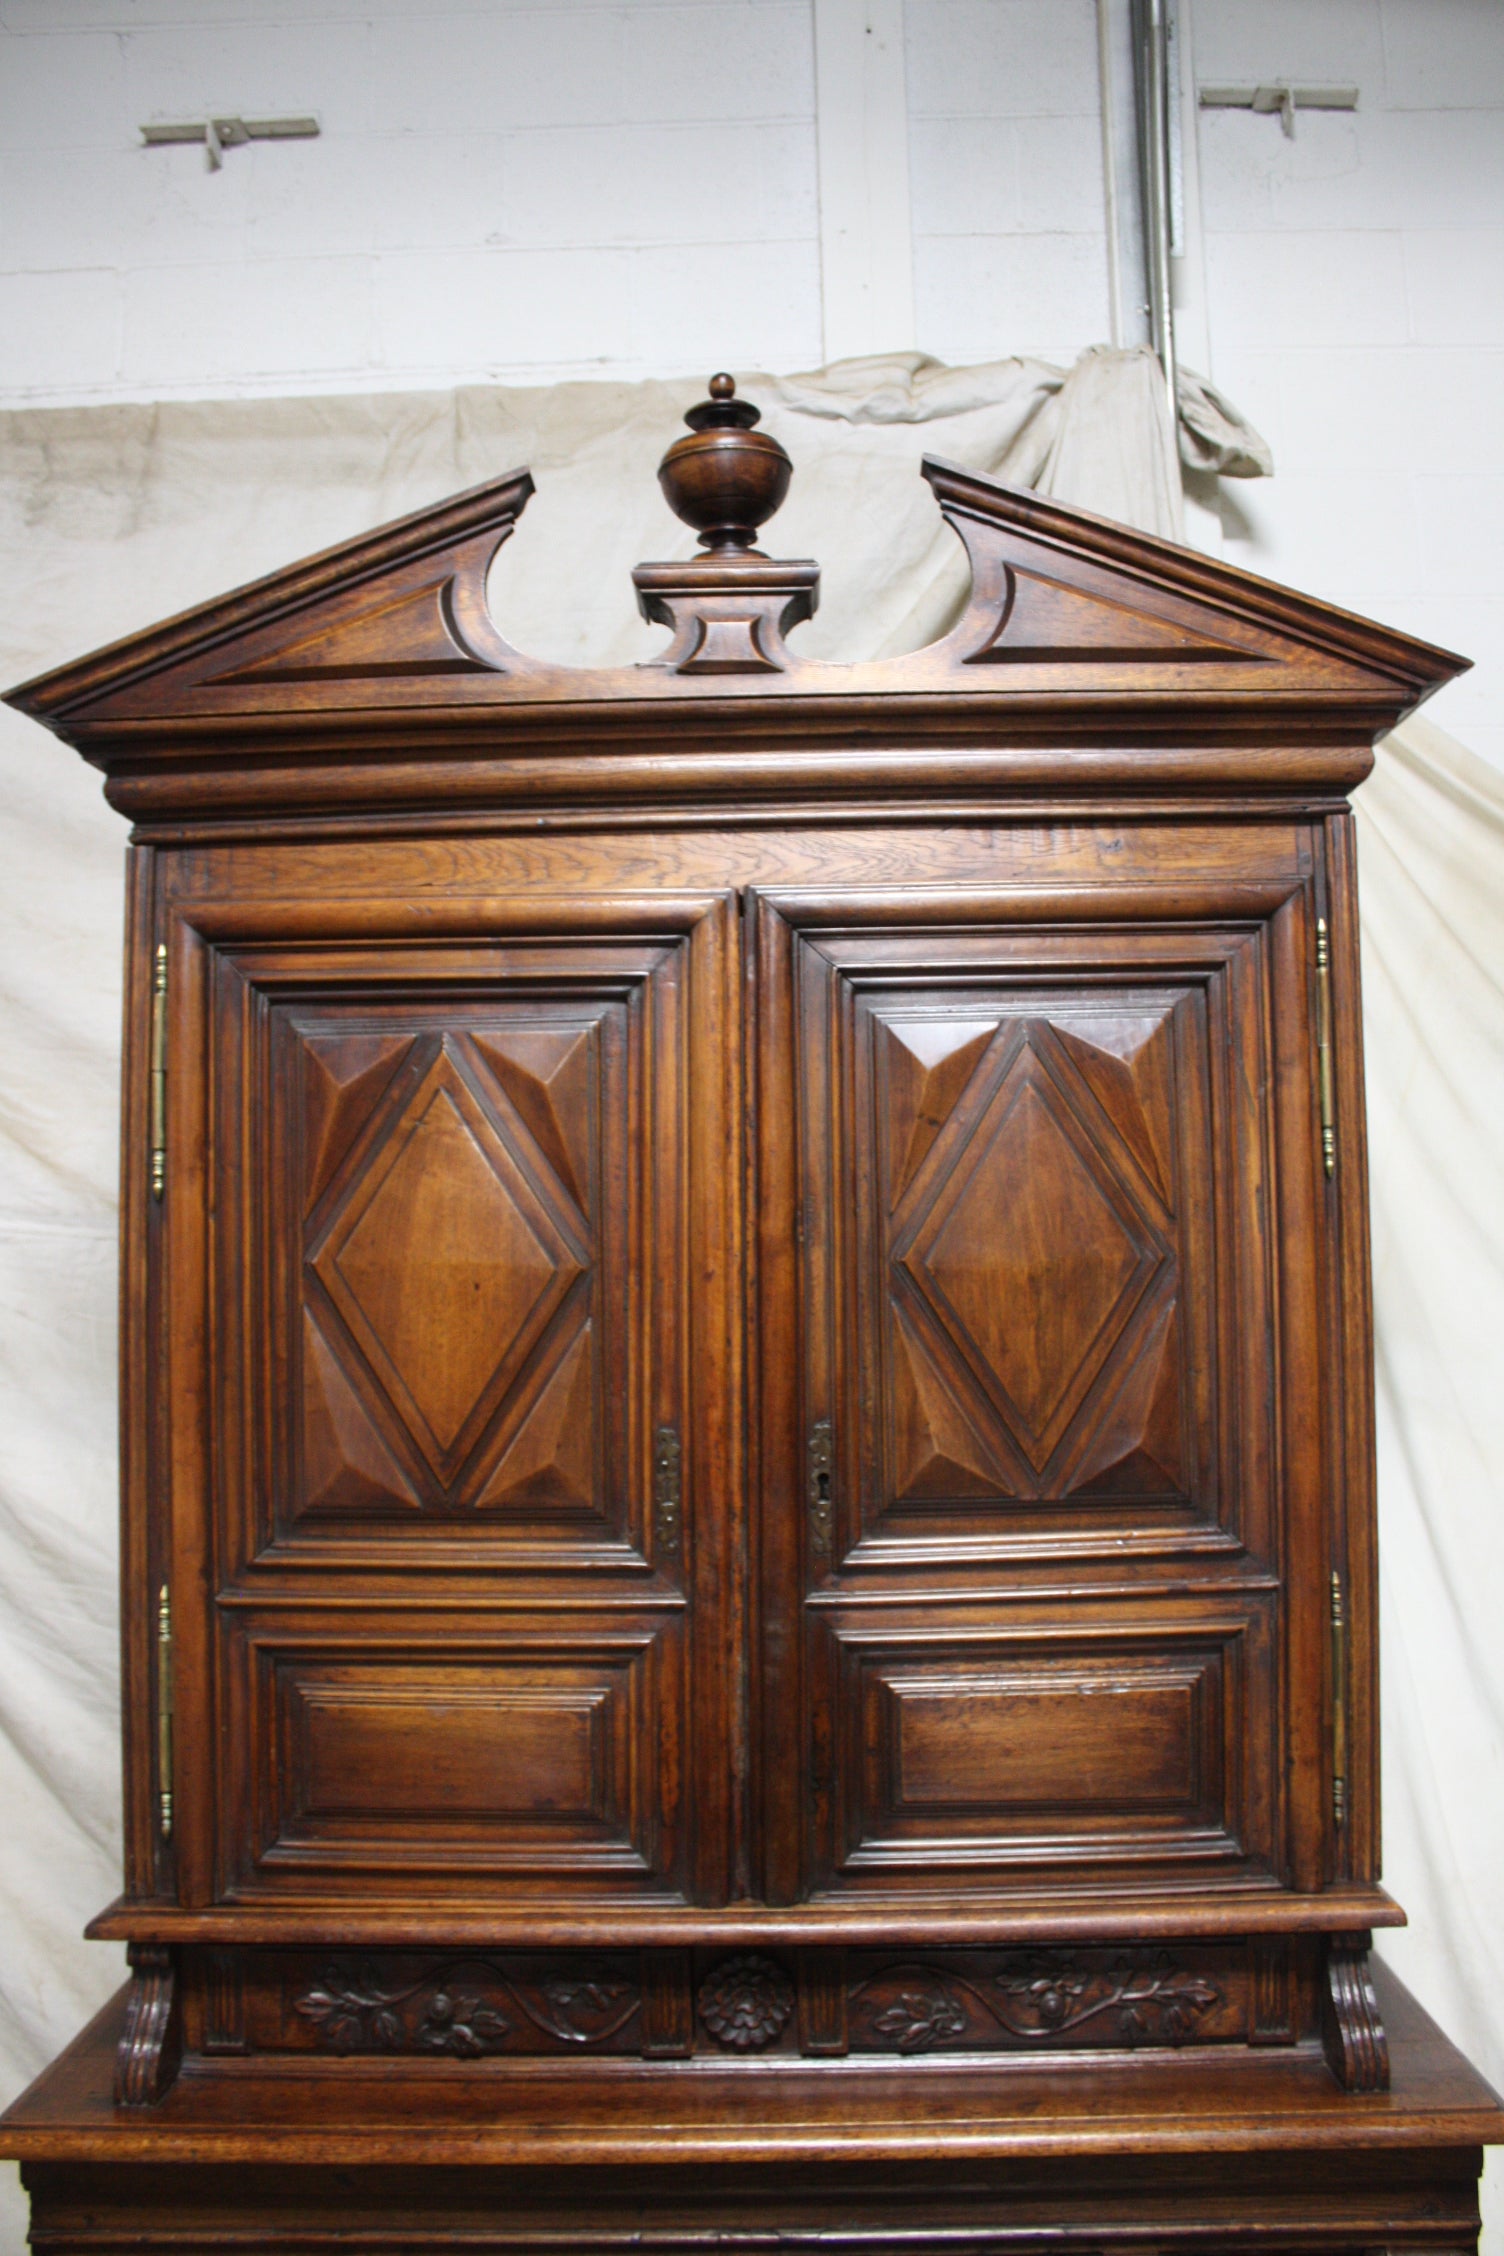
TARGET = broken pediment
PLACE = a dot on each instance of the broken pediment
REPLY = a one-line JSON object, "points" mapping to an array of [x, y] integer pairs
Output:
{"points": [[1069, 615]]}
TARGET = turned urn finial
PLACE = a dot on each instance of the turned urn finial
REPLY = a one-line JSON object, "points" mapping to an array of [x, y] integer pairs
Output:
{"points": [[726, 478]]}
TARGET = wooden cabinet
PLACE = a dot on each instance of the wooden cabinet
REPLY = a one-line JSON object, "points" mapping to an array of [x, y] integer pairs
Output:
{"points": [[746, 1387], [1035, 1150], [440, 1314]]}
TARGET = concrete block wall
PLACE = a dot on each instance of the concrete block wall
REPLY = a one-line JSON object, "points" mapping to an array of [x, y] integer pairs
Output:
{"points": [[520, 189], [511, 189], [499, 190], [1005, 177], [1354, 308]]}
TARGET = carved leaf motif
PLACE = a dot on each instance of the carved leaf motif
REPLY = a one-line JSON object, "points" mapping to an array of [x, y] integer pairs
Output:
{"points": [[462, 2026], [354, 2013], [1037, 1998], [1167, 2005], [1155, 2000], [1048, 2001], [571, 2003], [920, 2018]]}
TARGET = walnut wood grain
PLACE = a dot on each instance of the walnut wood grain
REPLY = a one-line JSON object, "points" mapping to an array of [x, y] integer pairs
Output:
{"points": [[748, 1383], [1178, 2107]]}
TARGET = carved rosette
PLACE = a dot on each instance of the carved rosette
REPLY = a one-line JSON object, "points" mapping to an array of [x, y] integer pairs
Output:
{"points": [[746, 2003]]}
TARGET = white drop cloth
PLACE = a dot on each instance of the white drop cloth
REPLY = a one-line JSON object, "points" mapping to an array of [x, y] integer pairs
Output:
{"points": [[116, 517]]}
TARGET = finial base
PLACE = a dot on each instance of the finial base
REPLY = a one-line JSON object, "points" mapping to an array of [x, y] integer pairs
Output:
{"points": [[729, 613]]}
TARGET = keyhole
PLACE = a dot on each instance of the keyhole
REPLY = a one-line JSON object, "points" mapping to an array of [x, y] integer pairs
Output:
{"points": [[822, 1487]]}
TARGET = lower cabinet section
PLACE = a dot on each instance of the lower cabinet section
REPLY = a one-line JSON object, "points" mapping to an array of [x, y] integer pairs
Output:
{"points": [[1295, 2204], [374, 2105]]}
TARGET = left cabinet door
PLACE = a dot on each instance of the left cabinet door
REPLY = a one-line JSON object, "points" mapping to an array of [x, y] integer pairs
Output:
{"points": [[435, 1465]]}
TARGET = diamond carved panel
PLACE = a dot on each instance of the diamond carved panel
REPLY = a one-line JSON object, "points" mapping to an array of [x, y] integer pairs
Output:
{"points": [[1031, 1254], [445, 1266]]}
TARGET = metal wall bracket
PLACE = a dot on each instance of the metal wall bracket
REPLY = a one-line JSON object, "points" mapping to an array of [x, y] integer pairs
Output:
{"points": [[221, 133], [1278, 100]]}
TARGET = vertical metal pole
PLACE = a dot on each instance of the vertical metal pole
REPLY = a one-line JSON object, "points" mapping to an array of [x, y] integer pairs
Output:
{"points": [[1151, 71], [1110, 174]]}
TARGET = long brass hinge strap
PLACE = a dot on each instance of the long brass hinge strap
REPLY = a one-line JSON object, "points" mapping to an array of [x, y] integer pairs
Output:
{"points": [[1324, 1047], [1339, 1700], [164, 1711], [157, 1136]]}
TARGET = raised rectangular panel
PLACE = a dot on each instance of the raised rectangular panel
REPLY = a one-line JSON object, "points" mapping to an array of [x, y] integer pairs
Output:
{"points": [[975, 1744], [1036, 1212], [459, 1214], [1052, 1737], [430, 1756], [460, 1741]]}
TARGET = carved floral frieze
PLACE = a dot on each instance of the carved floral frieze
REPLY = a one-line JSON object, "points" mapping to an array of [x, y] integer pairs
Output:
{"points": [[474, 2006], [1033, 1998], [465, 2007]]}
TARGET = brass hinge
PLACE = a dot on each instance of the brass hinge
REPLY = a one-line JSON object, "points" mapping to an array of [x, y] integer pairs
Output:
{"points": [[158, 1128], [1324, 1048], [1339, 1701], [667, 1493], [822, 1503], [164, 1711]]}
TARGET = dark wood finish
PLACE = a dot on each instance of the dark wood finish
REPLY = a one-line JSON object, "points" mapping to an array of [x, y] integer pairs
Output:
{"points": [[744, 1385], [150, 2044], [1185, 2150], [918, 2110]]}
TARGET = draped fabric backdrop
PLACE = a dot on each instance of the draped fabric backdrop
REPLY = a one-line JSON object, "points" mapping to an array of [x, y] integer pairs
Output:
{"points": [[116, 517]]}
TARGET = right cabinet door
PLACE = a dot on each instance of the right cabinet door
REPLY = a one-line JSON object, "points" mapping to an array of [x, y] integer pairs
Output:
{"points": [[1051, 1174]]}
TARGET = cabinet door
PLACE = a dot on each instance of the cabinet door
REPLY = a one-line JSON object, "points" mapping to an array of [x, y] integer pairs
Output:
{"points": [[1025, 1586], [453, 1475]]}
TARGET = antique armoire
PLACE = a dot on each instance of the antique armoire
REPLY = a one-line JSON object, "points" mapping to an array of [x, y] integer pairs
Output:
{"points": [[749, 1555]]}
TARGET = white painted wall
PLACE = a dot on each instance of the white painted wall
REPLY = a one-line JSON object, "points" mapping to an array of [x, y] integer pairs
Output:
{"points": [[1351, 283], [1005, 161], [500, 190], [505, 190], [518, 189]]}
